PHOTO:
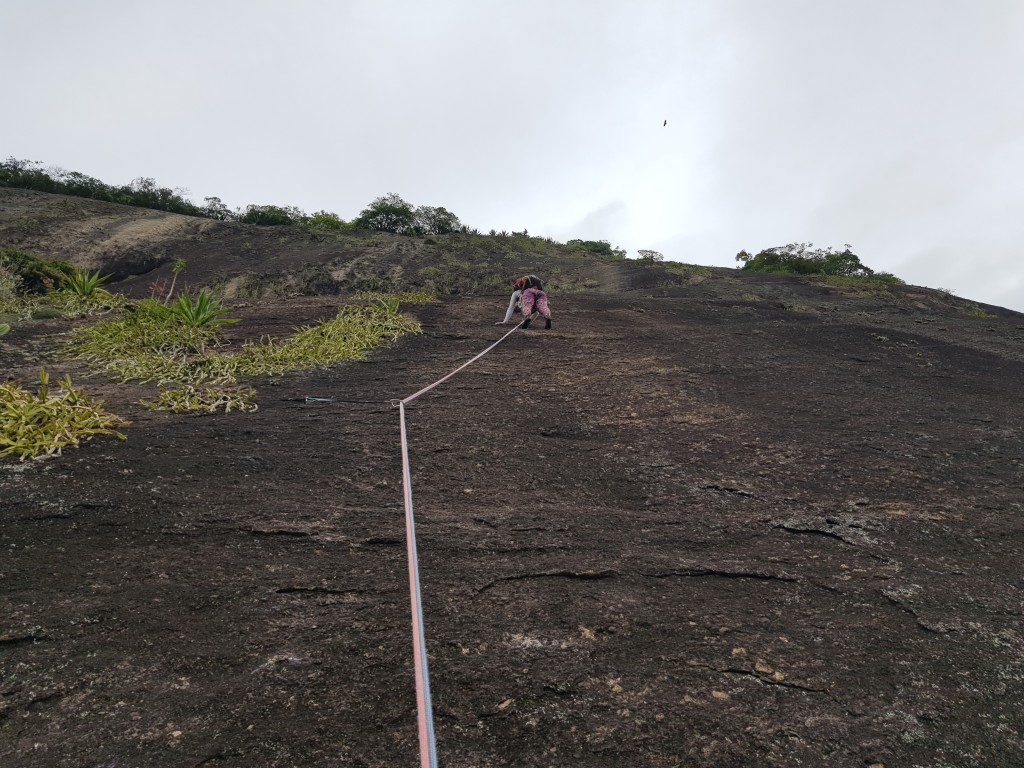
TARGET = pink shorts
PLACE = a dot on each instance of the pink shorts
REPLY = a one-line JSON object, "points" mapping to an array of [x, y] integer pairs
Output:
{"points": [[535, 296]]}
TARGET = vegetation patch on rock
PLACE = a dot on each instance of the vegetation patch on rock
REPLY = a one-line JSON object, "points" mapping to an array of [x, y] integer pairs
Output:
{"points": [[180, 347], [40, 424]]}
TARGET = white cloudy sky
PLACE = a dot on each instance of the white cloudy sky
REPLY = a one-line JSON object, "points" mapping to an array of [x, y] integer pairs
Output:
{"points": [[893, 125]]}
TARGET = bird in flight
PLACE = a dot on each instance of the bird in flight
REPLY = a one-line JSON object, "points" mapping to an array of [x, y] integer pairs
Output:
{"points": [[664, 124]]}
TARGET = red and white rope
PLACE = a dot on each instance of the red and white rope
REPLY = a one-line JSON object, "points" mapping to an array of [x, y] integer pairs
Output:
{"points": [[424, 710]]}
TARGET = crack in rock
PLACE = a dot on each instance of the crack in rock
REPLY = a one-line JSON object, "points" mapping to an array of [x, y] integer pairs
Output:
{"points": [[762, 678], [728, 489], [896, 596], [811, 531], [722, 573], [30, 638], [849, 530]]}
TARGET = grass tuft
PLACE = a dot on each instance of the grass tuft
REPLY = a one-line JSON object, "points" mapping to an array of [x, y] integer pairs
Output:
{"points": [[41, 424], [145, 344], [152, 344], [191, 399], [680, 268], [346, 337], [403, 297], [979, 313], [877, 284]]}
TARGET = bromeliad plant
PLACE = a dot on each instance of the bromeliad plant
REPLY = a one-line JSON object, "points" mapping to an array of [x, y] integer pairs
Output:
{"points": [[64, 292], [79, 296], [145, 344], [82, 284], [40, 424], [203, 310]]}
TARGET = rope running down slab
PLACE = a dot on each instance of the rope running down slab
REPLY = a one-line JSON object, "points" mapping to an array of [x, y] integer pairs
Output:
{"points": [[424, 710]]}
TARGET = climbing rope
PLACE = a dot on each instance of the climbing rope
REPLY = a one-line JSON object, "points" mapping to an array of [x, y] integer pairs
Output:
{"points": [[423, 391], [425, 715]]}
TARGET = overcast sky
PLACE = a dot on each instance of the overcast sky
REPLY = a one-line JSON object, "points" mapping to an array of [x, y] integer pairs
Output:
{"points": [[893, 125]]}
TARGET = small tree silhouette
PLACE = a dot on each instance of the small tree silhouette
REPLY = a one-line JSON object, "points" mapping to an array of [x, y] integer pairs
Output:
{"points": [[177, 269], [650, 256]]}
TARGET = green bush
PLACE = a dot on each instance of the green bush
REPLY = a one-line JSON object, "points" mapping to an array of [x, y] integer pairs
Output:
{"points": [[649, 256], [272, 215], [325, 220], [40, 289], [803, 259], [10, 282], [45, 312], [217, 210], [600, 248], [430, 220], [34, 274], [142, 192], [389, 213]]}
